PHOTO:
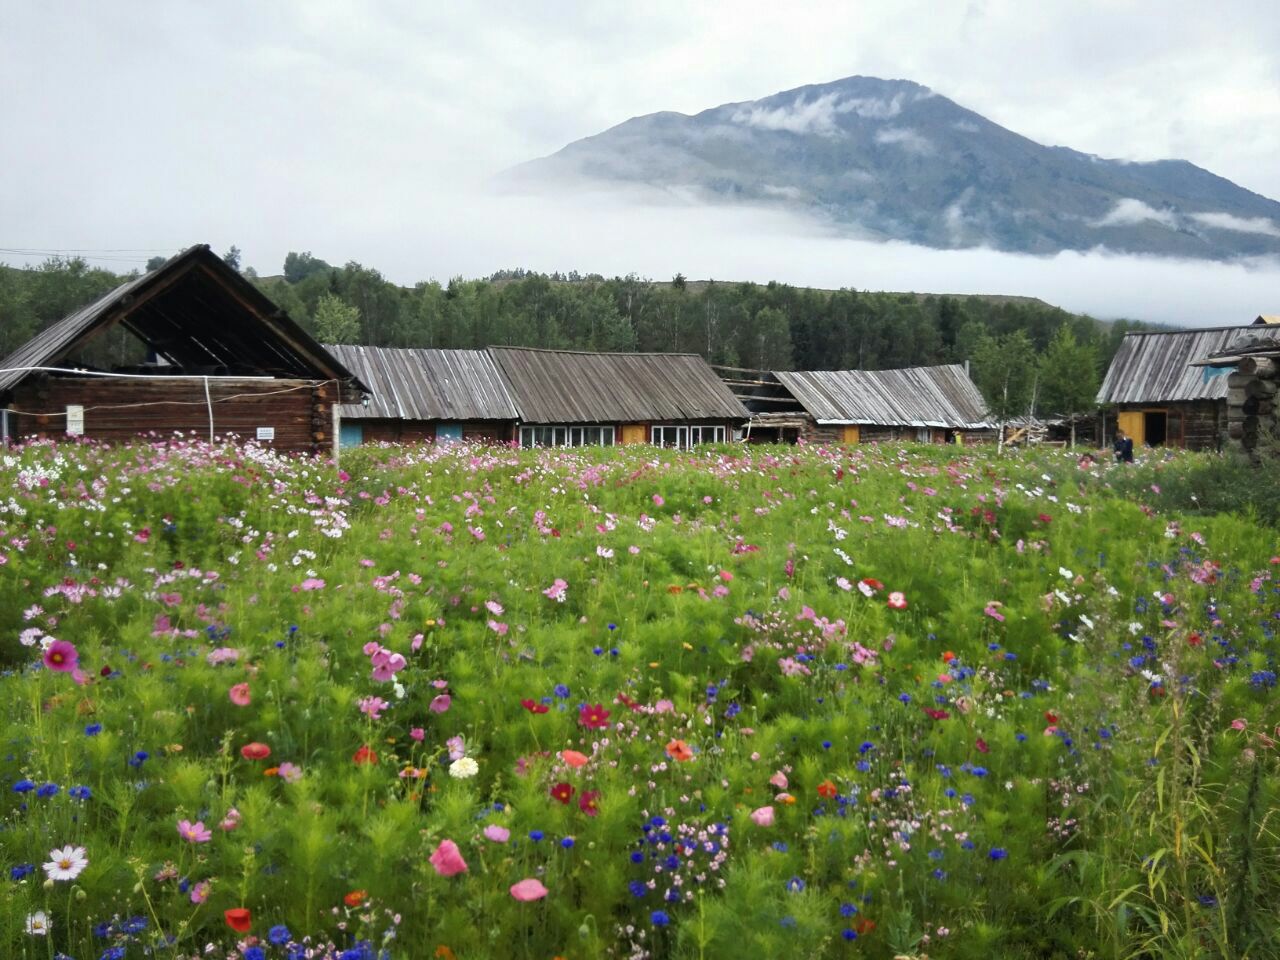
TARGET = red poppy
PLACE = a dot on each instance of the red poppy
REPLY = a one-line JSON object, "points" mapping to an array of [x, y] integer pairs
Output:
{"points": [[863, 926], [593, 715], [1045, 518], [936, 714], [1050, 716], [627, 702], [587, 802], [364, 755], [873, 583], [355, 898], [562, 792], [680, 751], [239, 919], [1195, 639], [948, 657], [533, 706], [255, 751], [982, 746], [827, 789]]}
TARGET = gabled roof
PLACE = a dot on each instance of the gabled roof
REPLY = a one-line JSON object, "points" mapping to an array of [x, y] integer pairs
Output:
{"points": [[941, 396], [566, 386], [196, 312], [419, 384], [1154, 367]]}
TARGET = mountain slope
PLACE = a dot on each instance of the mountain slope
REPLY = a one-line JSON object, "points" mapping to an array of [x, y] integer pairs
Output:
{"points": [[891, 160]]}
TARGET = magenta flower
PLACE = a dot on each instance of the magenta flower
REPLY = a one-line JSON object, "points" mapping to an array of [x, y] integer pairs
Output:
{"points": [[239, 694], [529, 889], [417, 733], [61, 656], [762, 816], [447, 859], [496, 833], [441, 703], [194, 832]]}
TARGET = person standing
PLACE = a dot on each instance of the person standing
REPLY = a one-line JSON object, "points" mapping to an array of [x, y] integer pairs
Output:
{"points": [[1123, 447]]}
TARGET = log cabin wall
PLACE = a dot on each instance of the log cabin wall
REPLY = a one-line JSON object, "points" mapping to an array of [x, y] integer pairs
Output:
{"points": [[298, 411]]}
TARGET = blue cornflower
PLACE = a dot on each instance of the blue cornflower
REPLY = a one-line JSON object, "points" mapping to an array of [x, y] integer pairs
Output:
{"points": [[279, 934], [672, 862], [863, 766], [614, 651], [788, 922], [779, 846], [637, 888], [24, 786], [904, 697], [826, 744], [659, 821], [613, 626], [21, 870], [979, 771], [536, 835], [849, 934], [80, 793], [637, 856], [255, 953], [93, 729], [848, 909], [139, 758], [659, 918], [1020, 737], [102, 930], [112, 953], [561, 691], [598, 651], [998, 853], [866, 745], [795, 885], [567, 843], [134, 925], [48, 790]]}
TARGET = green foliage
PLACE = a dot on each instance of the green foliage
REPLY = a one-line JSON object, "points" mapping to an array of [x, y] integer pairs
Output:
{"points": [[1004, 369], [336, 321]]}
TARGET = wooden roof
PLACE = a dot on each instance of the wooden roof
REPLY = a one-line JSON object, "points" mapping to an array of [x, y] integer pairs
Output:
{"points": [[1156, 367], [200, 315], [566, 386], [940, 396], [1251, 342], [416, 384]]}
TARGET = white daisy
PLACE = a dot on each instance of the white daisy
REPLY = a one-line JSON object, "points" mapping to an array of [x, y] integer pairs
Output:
{"points": [[66, 864], [38, 924]]}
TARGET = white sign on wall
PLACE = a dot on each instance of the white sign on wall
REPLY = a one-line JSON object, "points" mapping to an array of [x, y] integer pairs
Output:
{"points": [[75, 420], [266, 433]]}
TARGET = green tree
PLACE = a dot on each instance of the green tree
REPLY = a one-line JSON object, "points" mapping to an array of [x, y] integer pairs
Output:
{"points": [[1069, 377], [336, 321], [1004, 369], [232, 258], [155, 263]]}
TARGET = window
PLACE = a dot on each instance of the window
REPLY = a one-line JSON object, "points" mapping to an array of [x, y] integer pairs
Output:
{"points": [[682, 438], [566, 436]]}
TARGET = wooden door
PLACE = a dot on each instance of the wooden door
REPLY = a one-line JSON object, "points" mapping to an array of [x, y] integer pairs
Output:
{"points": [[1130, 421], [633, 433], [852, 433]]}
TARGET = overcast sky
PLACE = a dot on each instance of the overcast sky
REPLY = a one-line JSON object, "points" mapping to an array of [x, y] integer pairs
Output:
{"points": [[366, 131]]}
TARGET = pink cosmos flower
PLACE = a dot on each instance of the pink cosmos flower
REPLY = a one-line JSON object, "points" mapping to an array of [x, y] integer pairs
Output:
{"points": [[289, 772], [373, 707], [194, 832], [557, 590], [230, 821], [496, 833], [494, 607], [529, 889], [200, 892], [61, 656], [447, 859], [657, 500], [1239, 724], [312, 583], [762, 816], [779, 780], [239, 694], [992, 610], [417, 733], [441, 703]]}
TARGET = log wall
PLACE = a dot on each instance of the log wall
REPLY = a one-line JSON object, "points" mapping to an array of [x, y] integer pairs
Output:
{"points": [[300, 411], [1253, 415]]}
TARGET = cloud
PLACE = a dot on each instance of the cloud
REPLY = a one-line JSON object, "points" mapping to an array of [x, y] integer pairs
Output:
{"points": [[785, 193], [965, 126], [1128, 212], [1228, 221], [816, 116], [873, 108], [910, 140]]}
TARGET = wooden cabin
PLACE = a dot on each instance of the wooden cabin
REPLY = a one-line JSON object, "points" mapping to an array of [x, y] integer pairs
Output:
{"points": [[210, 356], [1250, 365], [1154, 394], [937, 404], [418, 395], [571, 398]]}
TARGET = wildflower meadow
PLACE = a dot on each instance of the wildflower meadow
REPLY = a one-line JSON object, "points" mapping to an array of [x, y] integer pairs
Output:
{"points": [[469, 702]]}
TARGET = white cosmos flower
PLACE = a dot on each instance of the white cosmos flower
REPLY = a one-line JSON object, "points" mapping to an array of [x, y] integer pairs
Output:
{"points": [[38, 924], [463, 768], [66, 864]]}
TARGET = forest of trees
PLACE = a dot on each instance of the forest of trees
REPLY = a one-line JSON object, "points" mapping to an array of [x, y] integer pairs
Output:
{"points": [[1022, 351]]}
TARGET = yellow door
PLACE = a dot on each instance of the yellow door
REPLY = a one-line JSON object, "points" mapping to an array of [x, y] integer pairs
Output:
{"points": [[633, 433], [1130, 421], [852, 433]]}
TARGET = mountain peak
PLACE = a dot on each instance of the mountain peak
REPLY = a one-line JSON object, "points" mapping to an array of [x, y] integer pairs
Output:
{"points": [[892, 159]]}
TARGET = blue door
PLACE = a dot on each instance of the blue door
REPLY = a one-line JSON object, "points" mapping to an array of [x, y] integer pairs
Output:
{"points": [[448, 431], [350, 434]]}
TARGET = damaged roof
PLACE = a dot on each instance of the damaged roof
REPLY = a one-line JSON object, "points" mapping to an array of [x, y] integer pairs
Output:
{"points": [[1156, 367], [200, 315], [420, 384]]}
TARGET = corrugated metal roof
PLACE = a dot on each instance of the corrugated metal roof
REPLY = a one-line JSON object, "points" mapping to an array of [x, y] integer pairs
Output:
{"points": [[941, 396], [564, 386], [196, 311], [419, 384], [1154, 367]]}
